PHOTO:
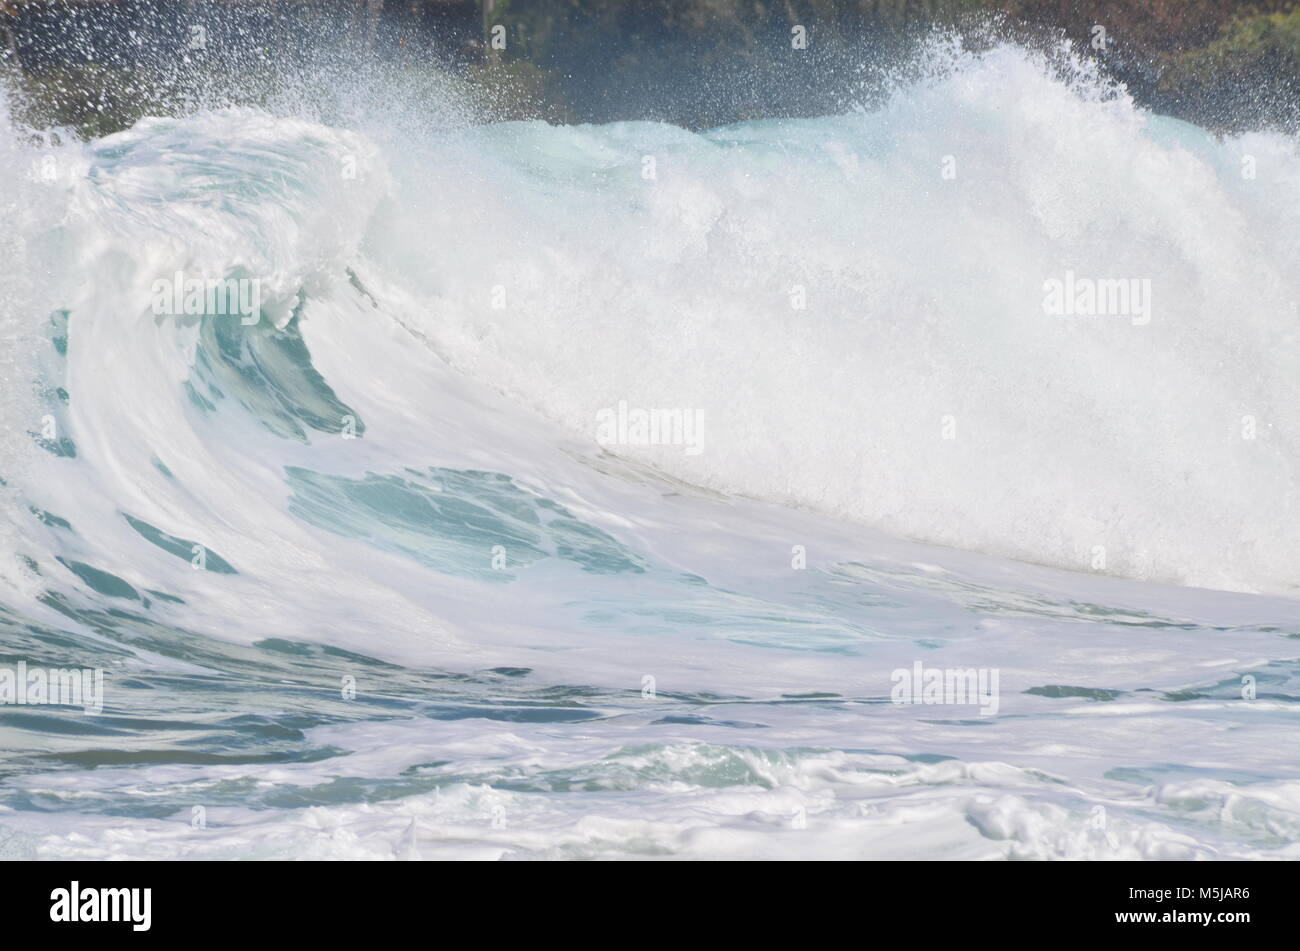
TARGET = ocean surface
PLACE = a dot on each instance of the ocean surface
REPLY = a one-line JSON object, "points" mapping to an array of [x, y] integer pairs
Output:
{"points": [[374, 577]]}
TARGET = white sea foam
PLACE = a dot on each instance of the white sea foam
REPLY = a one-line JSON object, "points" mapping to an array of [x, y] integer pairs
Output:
{"points": [[922, 388]]}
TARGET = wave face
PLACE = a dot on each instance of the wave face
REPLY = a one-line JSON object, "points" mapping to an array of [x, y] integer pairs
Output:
{"points": [[832, 306], [418, 471]]}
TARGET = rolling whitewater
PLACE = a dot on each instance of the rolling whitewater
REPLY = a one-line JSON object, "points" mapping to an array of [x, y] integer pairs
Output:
{"points": [[613, 491]]}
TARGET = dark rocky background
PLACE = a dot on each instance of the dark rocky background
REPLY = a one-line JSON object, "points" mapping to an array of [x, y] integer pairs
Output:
{"points": [[98, 64]]}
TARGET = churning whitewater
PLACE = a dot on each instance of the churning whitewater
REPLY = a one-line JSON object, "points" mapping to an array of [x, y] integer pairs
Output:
{"points": [[614, 491]]}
